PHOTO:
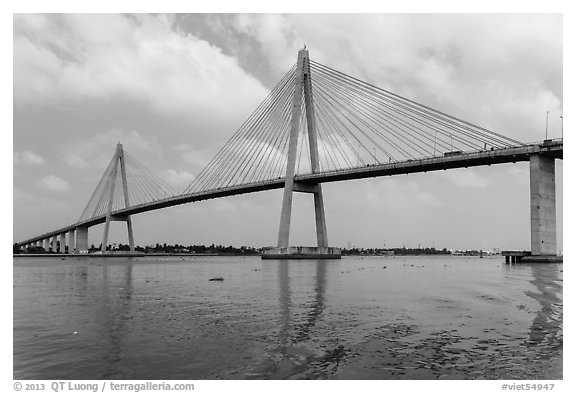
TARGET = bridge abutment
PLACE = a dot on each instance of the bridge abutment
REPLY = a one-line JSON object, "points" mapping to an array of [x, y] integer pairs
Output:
{"points": [[542, 205]]}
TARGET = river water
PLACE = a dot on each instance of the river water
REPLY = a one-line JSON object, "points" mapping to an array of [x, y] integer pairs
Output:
{"points": [[441, 317]]}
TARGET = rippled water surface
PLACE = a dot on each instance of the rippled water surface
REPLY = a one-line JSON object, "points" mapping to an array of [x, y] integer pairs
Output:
{"points": [[357, 318]]}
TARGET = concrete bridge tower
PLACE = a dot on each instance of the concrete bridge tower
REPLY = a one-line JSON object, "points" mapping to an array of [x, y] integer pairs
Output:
{"points": [[302, 85], [543, 205]]}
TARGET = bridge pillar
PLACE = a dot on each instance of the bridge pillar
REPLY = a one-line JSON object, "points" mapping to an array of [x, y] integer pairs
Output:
{"points": [[542, 205], [46, 244], [71, 244], [62, 247], [82, 239], [130, 233]]}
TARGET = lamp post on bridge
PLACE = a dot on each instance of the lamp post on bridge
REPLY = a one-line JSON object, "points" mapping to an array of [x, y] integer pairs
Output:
{"points": [[547, 112]]}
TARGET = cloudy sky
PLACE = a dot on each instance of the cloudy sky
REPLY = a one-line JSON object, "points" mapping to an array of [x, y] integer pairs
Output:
{"points": [[174, 89]]}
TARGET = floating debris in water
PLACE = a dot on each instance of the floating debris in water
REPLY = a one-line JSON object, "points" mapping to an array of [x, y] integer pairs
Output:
{"points": [[217, 279]]}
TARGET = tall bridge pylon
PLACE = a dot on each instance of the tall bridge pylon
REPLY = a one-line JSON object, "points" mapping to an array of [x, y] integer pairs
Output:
{"points": [[302, 88], [117, 161], [124, 182]]}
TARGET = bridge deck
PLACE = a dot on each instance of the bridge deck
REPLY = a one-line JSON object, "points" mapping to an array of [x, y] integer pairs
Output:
{"points": [[553, 148]]}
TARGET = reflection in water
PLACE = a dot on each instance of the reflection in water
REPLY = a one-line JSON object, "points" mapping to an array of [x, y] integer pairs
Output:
{"points": [[285, 306], [547, 325], [81, 281], [114, 312], [543, 343], [316, 306], [295, 353]]}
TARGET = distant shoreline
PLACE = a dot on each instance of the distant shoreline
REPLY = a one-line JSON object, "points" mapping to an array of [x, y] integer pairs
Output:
{"points": [[124, 255], [183, 255]]}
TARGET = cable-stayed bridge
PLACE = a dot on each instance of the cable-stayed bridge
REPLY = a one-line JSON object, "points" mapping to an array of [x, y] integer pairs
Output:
{"points": [[319, 125]]}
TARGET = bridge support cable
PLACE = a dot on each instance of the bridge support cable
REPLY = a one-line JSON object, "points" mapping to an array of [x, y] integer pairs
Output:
{"points": [[392, 97], [96, 203], [361, 120], [408, 131], [386, 126], [256, 150]]}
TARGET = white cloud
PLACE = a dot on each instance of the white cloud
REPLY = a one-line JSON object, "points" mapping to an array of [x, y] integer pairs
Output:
{"points": [[520, 174], [54, 183], [28, 157], [275, 34], [75, 161], [31, 201], [467, 178], [397, 193], [22, 197], [195, 158], [132, 139], [99, 149], [178, 178], [73, 57]]}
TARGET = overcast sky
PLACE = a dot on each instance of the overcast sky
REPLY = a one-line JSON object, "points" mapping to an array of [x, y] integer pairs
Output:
{"points": [[174, 89]]}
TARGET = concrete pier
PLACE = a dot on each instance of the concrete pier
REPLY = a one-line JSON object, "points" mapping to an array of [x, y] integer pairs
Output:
{"points": [[62, 248], [302, 253], [71, 242], [82, 240], [527, 256], [46, 244], [515, 256], [542, 205]]}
